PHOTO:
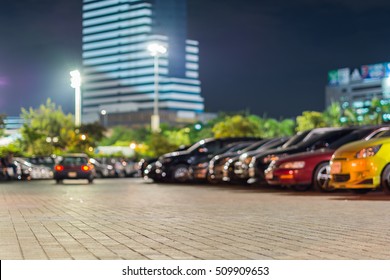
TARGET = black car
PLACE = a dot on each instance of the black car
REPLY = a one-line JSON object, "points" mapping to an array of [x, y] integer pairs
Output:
{"points": [[261, 161], [102, 170], [142, 165], [200, 168], [74, 166], [176, 166], [225, 168]]}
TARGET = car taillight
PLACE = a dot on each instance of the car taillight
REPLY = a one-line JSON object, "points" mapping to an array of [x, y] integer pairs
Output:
{"points": [[85, 168], [59, 168]]}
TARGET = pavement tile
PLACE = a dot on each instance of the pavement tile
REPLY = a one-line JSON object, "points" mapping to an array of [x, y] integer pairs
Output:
{"points": [[129, 219]]}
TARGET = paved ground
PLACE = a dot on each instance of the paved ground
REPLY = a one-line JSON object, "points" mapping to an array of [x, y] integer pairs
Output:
{"points": [[132, 219]]}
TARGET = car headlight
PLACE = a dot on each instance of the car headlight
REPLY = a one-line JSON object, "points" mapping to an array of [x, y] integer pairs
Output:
{"points": [[368, 152], [293, 165], [268, 159], [247, 160], [243, 156]]}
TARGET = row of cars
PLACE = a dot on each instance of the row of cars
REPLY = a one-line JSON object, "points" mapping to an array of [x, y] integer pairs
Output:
{"points": [[26, 168], [42, 167], [322, 159]]}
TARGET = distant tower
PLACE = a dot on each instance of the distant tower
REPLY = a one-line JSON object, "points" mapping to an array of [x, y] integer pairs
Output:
{"points": [[118, 72]]}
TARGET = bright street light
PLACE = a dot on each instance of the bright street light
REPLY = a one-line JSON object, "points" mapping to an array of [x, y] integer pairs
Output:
{"points": [[104, 115], [156, 50], [75, 82]]}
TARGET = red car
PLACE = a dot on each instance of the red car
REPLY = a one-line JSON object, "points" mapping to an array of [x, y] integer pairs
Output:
{"points": [[311, 169], [74, 166]]}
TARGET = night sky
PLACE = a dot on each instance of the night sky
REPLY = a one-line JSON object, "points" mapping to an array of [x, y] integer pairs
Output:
{"points": [[269, 57]]}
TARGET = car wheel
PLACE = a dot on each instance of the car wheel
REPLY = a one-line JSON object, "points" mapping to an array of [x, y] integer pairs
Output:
{"points": [[211, 178], [181, 173], [385, 179], [321, 178]]}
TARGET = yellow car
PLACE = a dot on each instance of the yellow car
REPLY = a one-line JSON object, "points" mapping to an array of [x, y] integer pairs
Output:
{"points": [[362, 166]]}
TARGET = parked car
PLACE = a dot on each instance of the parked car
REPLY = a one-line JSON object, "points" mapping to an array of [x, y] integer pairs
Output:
{"points": [[74, 166], [48, 161], [142, 165], [102, 170], [28, 171], [305, 170], [200, 169], [175, 166], [147, 163], [7, 172], [224, 167], [315, 140], [130, 167], [241, 169], [240, 166], [362, 166], [150, 171]]}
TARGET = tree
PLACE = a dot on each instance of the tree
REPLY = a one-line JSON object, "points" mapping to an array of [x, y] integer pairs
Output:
{"points": [[46, 129], [179, 137], [286, 127], [310, 120], [159, 144], [122, 134], [2, 124], [94, 132], [235, 126], [375, 111], [369, 115], [332, 115]]}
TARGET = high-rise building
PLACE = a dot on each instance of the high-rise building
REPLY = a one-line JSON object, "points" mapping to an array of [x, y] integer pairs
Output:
{"points": [[118, 70], [356, 87]]}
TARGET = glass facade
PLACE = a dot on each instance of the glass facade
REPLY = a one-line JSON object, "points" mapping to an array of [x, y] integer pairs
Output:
{"points": [[118, 71]]}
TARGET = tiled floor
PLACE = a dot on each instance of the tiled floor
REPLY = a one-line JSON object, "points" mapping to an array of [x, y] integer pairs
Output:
{"points": [[132, 219]]}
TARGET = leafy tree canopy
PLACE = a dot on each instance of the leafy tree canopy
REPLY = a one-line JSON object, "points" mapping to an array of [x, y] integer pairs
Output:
{"points": [[46, 129]]}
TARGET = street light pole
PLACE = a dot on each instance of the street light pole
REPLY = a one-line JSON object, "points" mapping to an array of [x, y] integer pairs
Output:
{"points": [[155, 103], [104, 114], [156, 50], [75, 79]]}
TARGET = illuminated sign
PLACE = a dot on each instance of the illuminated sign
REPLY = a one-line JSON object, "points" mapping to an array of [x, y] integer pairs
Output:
{"points": [[345, 76]]}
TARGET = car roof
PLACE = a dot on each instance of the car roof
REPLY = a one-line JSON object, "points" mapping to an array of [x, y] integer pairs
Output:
{"points": [[76, 155]]}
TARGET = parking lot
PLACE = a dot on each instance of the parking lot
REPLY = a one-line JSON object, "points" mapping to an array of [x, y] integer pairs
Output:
{"points": [[133, 219]]}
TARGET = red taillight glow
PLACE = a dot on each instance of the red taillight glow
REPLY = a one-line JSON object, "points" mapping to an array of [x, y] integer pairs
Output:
{"points": [[85, 168], [59, 168]]}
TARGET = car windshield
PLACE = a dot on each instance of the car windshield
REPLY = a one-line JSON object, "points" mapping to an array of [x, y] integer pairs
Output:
{"points": [[326, 138], [196, 145], [384, 134], [74, 161], [354, 136], [296, 139], [41, 161], [255, 146], [235, 147]]}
